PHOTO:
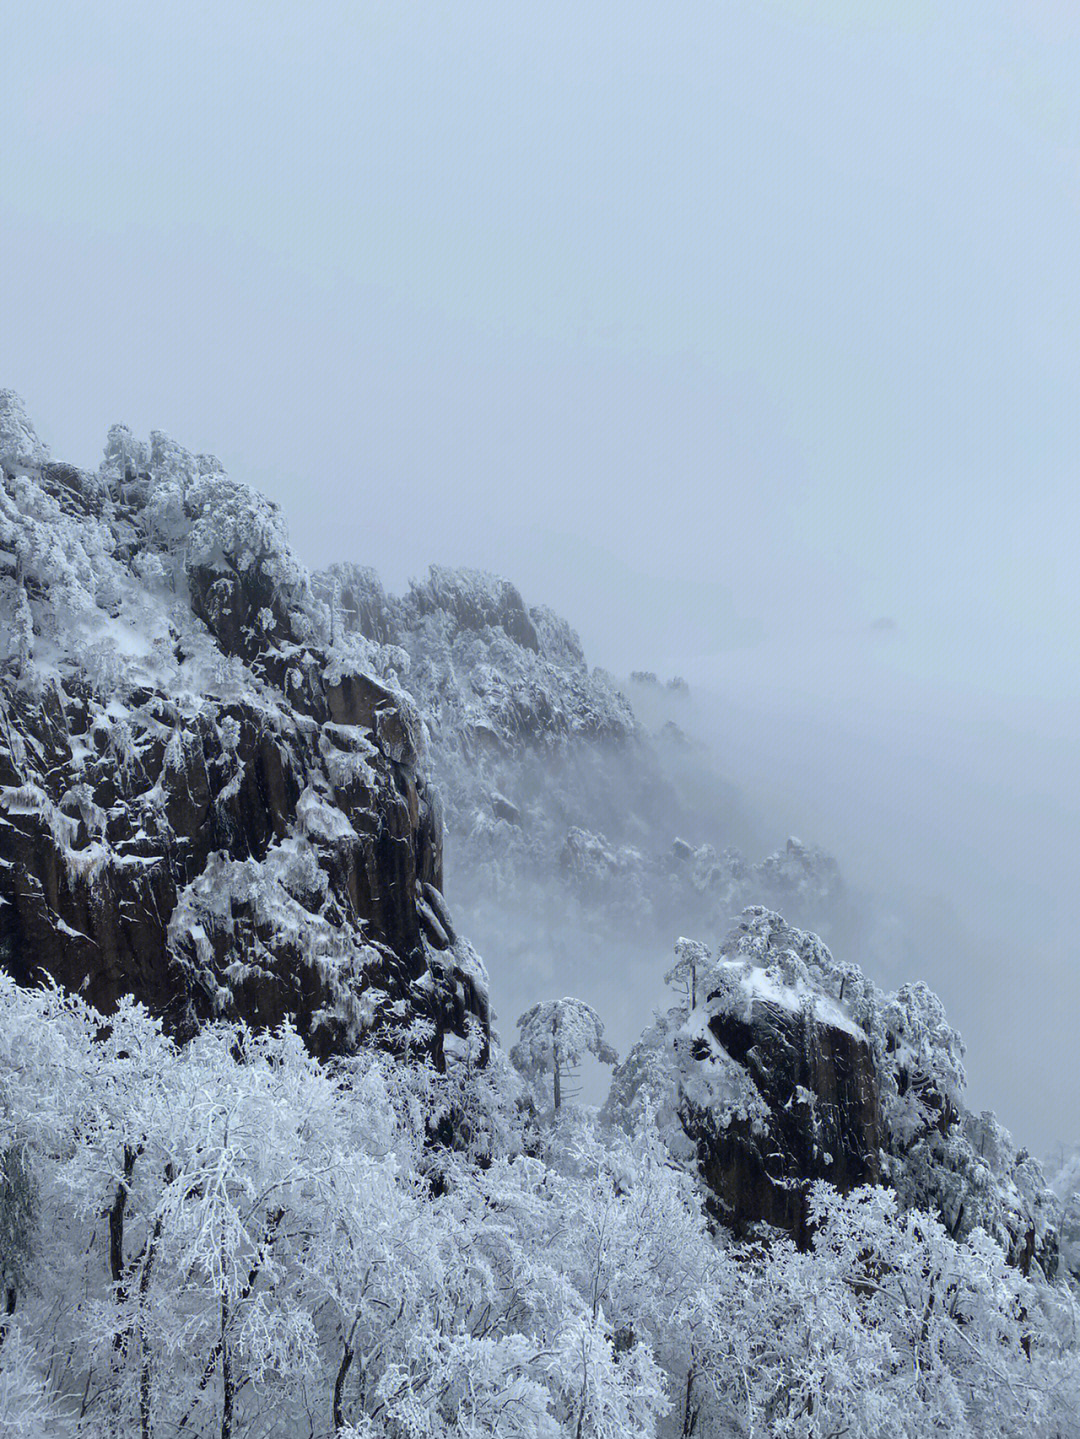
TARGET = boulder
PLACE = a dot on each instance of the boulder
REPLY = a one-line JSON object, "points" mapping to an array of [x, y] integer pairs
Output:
{"points": [[820, 1114]]}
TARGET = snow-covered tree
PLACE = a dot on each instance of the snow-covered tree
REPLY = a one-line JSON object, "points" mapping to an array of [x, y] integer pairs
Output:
{"points": [[692, 960], [554, 1038], [21, 452]]}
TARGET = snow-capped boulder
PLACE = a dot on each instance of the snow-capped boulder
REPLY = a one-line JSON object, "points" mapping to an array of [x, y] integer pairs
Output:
{"points": [[781, 1066], [818, 1114]]}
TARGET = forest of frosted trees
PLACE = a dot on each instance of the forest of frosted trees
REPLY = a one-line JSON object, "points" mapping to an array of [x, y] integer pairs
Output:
{"points": [[230, 1238]]}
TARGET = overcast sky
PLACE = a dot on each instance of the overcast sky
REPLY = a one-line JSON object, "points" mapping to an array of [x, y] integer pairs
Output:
{"points": [[725, 328]]}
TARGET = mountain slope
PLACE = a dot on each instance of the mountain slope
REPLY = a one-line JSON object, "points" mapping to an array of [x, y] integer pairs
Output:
{"points": [[578, 842], [207, 800]]}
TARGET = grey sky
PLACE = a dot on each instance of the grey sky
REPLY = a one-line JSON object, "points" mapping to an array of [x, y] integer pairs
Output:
{"points": [[707, 323]]}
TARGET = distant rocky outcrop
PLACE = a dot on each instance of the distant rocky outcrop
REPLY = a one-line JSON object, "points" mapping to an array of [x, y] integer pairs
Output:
{"points": [[475, 601], [489, 674], [208, 799], [575, 837], [782, 1066], [815, 1076]]}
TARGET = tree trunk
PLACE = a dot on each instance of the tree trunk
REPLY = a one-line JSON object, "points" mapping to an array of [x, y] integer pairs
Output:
{"points": [[555, 1062], [690, 1413], [116, 1218], [227, 1391], [9, 1310], [116, 1242], [144, 1348], [145, 1431], [339, 1386]]}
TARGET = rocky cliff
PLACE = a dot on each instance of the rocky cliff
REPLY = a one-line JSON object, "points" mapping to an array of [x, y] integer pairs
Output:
{"points": [[819, 1115], [782, 1065], [579, 841], [208, 798]]}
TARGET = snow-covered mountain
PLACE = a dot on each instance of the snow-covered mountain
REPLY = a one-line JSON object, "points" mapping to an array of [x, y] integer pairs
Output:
{"points": [[565, 822], [578, 842], [245, 1044], [207, 799]]}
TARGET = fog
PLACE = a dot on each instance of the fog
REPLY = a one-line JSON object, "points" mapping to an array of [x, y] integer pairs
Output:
{"points": [[726, 330], [956, 803]]}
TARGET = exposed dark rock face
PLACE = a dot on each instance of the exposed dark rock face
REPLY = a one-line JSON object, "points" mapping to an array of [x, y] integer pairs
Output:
{"points": [[502, 808], [205, 803], [818, 1084]]}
